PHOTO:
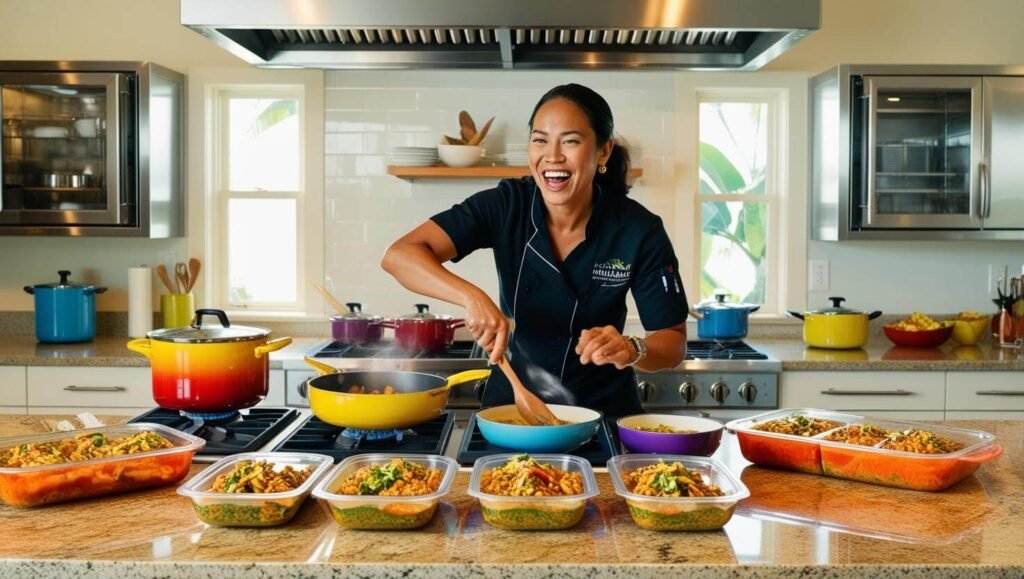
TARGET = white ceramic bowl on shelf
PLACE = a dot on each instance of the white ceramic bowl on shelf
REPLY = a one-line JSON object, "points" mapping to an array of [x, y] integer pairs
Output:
{"points": [[460, 155]]}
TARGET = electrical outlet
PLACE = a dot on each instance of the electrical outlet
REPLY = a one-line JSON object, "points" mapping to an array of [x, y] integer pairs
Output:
{"points": [[818, 275]]}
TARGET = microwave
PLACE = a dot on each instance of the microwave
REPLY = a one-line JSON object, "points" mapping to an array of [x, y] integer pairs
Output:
{"points": [[91, 149]]}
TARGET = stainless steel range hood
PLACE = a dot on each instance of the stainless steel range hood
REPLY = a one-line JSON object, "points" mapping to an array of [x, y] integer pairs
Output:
{"points": [[512, 34]]}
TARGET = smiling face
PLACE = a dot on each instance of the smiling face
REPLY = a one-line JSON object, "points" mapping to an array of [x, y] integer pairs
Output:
{"points": [[564, 154]]}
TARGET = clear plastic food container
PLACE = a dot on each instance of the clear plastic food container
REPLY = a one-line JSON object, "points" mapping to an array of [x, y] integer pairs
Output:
{"points": [[252, 509], [679, 513], [871, 464], [67, 481], [534, 513], [383, 512]]}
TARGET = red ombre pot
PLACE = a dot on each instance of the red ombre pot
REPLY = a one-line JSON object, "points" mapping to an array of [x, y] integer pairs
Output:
{"points": [[424, 330], [209, 368]]}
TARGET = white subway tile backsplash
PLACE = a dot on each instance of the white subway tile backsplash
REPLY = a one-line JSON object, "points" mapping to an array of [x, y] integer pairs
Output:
{"points": [[369, 112], [355, 121], [343, 143], [415, 121]]}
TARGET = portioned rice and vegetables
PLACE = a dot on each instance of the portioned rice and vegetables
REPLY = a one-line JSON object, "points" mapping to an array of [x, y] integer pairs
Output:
{"points": [[90, 464], [859, 434], [920, 442], [86, 447], [676, 481], [797, 425], [397, 478], [524, 476], [255, 477]]}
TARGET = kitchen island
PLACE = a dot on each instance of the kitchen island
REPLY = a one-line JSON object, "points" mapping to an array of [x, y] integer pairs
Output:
{"points": [[792, 525]]}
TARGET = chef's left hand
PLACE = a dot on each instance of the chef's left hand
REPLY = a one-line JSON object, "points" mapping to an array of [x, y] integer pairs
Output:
{"points": [[605, 345]]}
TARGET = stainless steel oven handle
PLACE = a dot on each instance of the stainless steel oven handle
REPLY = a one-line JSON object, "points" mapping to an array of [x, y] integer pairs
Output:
{"points": [[1000, 392], [897, 392], [73, 388]]}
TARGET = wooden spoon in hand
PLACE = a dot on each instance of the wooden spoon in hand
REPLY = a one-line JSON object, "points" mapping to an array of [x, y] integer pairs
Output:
{"points": [[530, 407]]}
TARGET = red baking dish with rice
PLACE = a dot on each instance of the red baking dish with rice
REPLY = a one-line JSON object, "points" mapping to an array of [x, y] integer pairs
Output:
{"points": [[878, 461]]}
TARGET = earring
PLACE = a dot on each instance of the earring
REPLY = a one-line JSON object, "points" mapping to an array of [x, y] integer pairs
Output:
{"points": [[602, 169]]}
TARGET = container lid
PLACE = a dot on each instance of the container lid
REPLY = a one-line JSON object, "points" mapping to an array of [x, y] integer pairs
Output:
{"points": [[837, 308], [200, 333], [63, 283], [422, 313], [719, 303], [355, 312]]}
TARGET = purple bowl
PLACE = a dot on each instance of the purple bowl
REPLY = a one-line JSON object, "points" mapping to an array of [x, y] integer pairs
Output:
{"points": [[704, 442]]}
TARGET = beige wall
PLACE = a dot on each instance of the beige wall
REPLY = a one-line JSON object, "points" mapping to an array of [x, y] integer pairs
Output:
{"points": [[866, 31], [911, 32]]}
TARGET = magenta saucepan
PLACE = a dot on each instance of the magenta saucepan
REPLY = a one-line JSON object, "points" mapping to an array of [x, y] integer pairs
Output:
{"points": [[424, 330], [694, 436], [355, 327]]}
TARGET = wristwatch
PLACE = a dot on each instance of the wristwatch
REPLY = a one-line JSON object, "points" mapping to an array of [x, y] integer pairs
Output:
{"points": [[639, 346]]}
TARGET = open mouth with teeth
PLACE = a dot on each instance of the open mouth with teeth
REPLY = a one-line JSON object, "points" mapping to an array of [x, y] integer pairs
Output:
{"points": [[555, 179]]}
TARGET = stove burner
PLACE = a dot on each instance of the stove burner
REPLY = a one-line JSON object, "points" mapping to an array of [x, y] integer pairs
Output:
{"points": [[715, 350], [317, 436], [350, 438], [226, 433], [213, 418]]}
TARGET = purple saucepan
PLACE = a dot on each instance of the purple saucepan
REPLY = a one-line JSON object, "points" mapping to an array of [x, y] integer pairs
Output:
{"points": [[703, 442]]}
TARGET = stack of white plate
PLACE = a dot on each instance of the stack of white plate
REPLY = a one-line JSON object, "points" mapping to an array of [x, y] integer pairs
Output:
{"points": [[515, 154], [413, 156]]}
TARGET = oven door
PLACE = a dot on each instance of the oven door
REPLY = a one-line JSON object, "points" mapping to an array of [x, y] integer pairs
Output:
{"points": [[65, 141]]}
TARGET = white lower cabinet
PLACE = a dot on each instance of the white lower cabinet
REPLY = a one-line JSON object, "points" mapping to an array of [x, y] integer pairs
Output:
{"points": [[13, 394], [913, 395], [985, 395], [86, 388]]}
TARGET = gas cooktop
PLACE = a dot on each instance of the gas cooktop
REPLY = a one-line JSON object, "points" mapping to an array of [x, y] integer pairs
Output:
{"points": [[247, 431], [460, 355], [315, 435]]}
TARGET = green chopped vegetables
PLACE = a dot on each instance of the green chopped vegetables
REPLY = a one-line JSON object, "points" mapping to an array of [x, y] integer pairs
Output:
{"points": [[381, 478], [665, 483]]}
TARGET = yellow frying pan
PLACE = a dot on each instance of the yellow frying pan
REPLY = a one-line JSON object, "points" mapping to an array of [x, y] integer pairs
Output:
{"points": [[418, 397]]}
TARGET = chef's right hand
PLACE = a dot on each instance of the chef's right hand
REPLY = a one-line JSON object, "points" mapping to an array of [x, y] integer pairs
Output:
{"points": [[490, 327]]}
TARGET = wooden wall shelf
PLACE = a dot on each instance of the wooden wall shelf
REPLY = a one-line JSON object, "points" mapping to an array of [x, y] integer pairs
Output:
{"points": [[478, 172]]}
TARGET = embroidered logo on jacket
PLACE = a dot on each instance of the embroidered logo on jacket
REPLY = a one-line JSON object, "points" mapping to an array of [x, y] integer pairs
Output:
{"points": [[612, 273]]}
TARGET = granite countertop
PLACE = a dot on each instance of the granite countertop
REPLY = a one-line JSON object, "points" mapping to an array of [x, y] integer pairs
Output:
{"points": [[792, 525], [879, 354]]}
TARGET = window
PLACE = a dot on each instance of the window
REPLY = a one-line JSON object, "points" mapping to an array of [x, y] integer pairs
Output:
{"points": [[738, 199], [259, 199]]}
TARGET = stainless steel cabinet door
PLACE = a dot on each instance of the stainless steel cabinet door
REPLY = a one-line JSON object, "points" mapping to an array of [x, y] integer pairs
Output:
{"points": [[1002, 199]]}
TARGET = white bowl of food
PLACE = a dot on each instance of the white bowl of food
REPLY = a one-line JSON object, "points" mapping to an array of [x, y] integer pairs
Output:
{"points": [[460, 155]]}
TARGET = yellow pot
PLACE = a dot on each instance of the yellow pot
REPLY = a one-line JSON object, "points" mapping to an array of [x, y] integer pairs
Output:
{"points": [[417, 397], [836, 327]]}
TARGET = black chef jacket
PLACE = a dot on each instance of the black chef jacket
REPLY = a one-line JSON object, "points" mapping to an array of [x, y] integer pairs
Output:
{"points": [[626, 249]]}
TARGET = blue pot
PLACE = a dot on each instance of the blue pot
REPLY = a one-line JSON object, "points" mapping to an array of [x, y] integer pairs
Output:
{"points": [[65, 312], [722, 320]]}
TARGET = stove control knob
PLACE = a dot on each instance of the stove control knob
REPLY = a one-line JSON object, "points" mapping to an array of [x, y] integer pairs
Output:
{"points": [[719, 391], [646, 390], [748, 392], [688, 392]]}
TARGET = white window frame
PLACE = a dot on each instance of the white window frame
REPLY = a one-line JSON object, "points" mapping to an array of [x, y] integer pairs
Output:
{"points": [[786, 191], [209, 91]]}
